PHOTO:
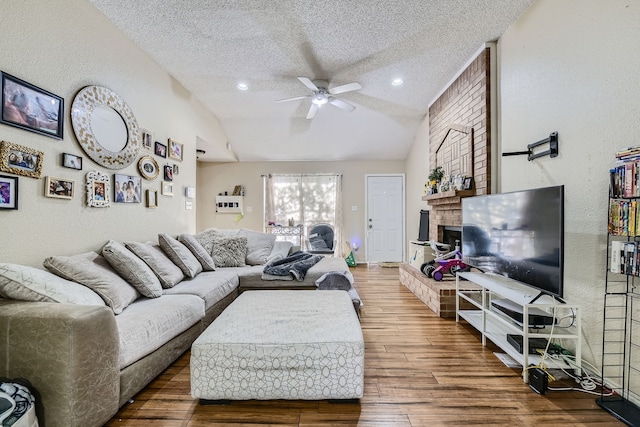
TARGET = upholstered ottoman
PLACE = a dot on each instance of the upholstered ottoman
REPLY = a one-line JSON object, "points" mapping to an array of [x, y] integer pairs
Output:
{"points": [[281, 344]]}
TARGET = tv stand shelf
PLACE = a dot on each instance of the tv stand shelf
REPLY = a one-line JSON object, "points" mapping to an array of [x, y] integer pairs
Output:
{"points": [[495, 324]]}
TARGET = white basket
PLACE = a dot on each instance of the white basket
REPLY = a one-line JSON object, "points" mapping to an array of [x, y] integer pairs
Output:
{"points": [[29, 419]]}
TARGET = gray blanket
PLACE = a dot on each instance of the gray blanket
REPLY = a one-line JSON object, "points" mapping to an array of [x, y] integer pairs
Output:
{"points": [[295, 266]]}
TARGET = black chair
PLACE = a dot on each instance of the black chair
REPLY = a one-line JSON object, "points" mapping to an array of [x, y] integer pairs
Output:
{"points": [[321, 239]]}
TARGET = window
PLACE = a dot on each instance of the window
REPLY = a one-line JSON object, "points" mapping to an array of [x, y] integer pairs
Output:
{"points": [[304, 199]]}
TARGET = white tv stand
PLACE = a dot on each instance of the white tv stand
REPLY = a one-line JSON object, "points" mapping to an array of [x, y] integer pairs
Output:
{"points": [[482, 289]]}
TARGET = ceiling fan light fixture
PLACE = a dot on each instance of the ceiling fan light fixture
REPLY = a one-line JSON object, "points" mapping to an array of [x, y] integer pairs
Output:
{"points": [[319, 99]]}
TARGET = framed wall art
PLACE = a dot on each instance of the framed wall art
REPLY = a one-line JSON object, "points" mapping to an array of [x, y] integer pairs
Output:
{"points": [[127, 189], [175, 149], [98, 189], [59, 188], [20, 160], [160, 149], [31, 108], [8, 192], [152, 198], [167, 188], [71, 161], [148, 167], [168, 173], [147, 139]]}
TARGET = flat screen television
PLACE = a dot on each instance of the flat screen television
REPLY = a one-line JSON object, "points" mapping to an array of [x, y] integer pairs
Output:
{"points": [[519, 235]]}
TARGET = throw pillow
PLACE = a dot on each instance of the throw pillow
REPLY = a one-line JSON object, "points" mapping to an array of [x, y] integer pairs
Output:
{"points": [[180, 255], [93, 271], [317, 242], [132, 269], [229, 251], [280, 250], [198, 251], [22, 283], [259, 246], [206, 238], [165, 270]]}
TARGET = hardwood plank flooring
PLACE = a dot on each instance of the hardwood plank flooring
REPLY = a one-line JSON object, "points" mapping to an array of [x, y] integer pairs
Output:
{"points": [[420, 370]]}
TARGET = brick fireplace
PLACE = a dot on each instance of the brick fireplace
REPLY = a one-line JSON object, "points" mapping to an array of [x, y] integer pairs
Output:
{"points": [[459, 142]]}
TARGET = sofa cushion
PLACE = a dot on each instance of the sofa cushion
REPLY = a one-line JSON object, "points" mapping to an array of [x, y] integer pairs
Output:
{"points": [[165, 270], [93, 271], [19, 282], [147, 324], [198, 251], [259, 246], [229, 251], [206, 238], [280, 250], [180, 255], [132, 269], [211, 286]]}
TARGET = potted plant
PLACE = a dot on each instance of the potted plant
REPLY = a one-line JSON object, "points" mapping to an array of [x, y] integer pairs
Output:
{"points": [[435, 176]]}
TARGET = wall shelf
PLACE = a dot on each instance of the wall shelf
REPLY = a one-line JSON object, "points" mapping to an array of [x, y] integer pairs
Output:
{"points": [[230, 204]]}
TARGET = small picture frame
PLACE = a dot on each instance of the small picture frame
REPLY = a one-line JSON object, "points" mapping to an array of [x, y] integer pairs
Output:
{"points": [[59, 188], [237, 190], [190, 192], [20, 160], [152, 198], [468, 183], [148, 167], [167, 188], [8, 192], [31, 108], [160, 149], [168, 173], [175, 149], [71, 161], [127, 188], [147, 139], [176, 169], [98, 190]]}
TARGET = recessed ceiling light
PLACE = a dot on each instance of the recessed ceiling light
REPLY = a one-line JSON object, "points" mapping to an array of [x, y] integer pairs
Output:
{"points": [[242, 86], [397, 82]]}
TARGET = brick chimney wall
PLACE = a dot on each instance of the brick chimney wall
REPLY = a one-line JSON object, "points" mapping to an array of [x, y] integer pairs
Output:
{"points": [[460, 141]]}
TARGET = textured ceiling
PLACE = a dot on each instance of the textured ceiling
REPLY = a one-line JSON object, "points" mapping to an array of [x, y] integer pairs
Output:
{"points": [[211, 46]]}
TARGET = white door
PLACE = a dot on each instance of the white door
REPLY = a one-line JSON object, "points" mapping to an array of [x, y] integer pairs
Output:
{"points": [[385, 218]]}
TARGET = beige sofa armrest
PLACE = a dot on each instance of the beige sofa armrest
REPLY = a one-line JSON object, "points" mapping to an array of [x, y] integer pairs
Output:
{"points": [[69, 353]]}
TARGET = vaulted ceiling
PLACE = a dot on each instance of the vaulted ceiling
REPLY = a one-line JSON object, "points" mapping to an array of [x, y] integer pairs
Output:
{"points": [[212, 46]]}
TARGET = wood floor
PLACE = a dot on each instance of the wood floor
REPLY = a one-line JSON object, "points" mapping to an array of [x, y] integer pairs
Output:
{"points": [[420, 370]]}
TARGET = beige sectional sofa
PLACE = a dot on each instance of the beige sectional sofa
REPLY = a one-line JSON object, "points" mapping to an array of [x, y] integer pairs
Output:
{"points": [[92, 335]]}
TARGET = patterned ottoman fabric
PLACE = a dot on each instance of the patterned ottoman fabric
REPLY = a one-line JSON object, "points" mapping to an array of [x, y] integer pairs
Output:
{"points": [[278, 344]]}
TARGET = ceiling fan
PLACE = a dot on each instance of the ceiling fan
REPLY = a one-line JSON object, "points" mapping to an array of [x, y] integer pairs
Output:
{"points": [[323, 95]]}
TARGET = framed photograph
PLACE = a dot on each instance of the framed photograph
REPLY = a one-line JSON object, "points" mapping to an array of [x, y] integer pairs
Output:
{"points": [[167, 188], [176, 169], [31, 108], [98, 189], [20, 160], [468, 183], [147, 139], [59, 188], [160, 149], [8, 192], [190, 192], [127, 189], [168, 173], [175, 149], [148, 167], [71, 161], [152, 198], [237, 190]]}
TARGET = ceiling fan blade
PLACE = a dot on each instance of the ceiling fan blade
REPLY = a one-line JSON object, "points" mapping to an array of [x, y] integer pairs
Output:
{"points": [[308, 83], [342, 104], [345, 88], [294, 98], [312, 111]]}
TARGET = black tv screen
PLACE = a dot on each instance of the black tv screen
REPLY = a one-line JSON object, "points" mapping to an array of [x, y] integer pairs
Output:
{"points": [[519, 235]]}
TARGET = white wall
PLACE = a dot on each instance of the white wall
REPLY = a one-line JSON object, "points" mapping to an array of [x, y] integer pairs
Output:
{"points": [[214, 178], [62, 46], [417, 166], [573, 66]]}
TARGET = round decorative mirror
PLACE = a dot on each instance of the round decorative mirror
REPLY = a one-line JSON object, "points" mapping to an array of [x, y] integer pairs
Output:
{"points": [[105, 127]]}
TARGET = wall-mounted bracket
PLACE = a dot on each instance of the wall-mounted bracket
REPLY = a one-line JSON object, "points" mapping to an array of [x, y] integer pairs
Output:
{"points": [[552, 151]]}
